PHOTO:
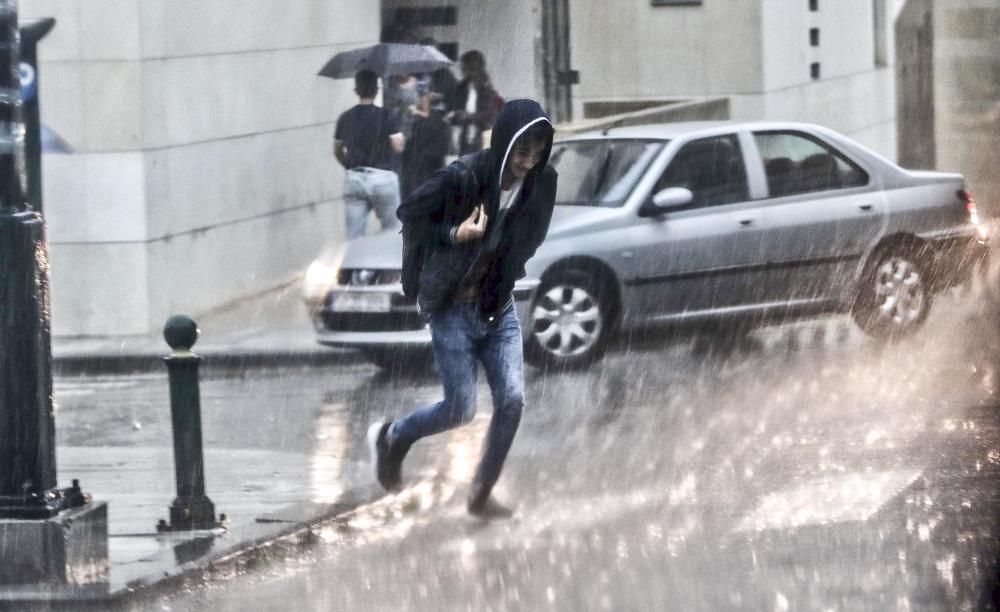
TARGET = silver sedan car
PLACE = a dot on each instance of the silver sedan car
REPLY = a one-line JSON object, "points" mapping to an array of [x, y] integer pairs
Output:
{"points": [[688, 222]]}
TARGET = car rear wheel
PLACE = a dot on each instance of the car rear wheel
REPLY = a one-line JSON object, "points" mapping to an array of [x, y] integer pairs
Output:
{"points": [[570, 321], [894, 297]]}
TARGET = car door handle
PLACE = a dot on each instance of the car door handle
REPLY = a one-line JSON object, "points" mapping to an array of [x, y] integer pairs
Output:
{"points": [[866, 207], [746, 222]]}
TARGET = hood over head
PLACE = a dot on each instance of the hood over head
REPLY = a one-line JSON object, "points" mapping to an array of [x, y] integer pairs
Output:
{"points": [[514, 119]]}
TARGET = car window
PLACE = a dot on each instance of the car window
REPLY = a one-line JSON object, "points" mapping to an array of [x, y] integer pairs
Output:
{"points": [[600, 172], [712, 168], [797, 163]]}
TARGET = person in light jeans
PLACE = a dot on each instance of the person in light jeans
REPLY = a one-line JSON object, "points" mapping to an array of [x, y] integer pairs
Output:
{"points": [[366, 138], [366, 190]]}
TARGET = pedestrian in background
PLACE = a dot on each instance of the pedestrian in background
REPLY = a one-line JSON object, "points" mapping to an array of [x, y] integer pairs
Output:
{"points": [[442, 82], [365, 140], [427, 145], [475, 104], [400, 97], [474, 224]]}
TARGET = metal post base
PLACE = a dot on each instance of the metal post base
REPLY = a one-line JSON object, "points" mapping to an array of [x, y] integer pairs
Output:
{"points": [[192, 513], [42, 506], [69, 548]]}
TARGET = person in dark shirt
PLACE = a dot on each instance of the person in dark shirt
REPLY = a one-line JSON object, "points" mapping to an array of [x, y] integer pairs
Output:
{"points": [[364, 142], [427, 145]]}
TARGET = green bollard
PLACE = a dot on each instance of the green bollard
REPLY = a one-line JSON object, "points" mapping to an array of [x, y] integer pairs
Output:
{"points": [[191, 509]]}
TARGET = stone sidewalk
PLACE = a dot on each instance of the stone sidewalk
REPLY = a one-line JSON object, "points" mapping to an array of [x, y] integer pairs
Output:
{"points": [[267, 517], [267, 510], [268, 328]]}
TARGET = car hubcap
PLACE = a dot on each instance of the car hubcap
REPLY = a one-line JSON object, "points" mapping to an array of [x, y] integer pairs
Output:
{"points": [[899, 292], [567, 321]]}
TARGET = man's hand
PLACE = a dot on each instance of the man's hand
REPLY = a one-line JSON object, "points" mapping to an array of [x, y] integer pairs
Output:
{"points": [[473, 227], [340, 152]]}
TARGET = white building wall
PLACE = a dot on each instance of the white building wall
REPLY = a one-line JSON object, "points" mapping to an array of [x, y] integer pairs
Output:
{"points": [[852, 95], [203, 155], [757, 52], [630, 49]]}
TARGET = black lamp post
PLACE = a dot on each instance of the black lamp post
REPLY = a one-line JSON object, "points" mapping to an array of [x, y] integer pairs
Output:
{"points": [[32, 32], [27, 424]]}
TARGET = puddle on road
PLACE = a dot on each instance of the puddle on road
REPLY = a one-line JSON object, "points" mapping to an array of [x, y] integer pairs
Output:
{"points": [[838, 499]]}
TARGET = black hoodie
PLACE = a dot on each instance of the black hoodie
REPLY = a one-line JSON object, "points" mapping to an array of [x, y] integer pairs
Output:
{"points": [[433, 267]]}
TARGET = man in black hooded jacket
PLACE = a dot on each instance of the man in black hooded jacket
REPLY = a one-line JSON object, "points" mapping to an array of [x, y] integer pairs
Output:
{"points": [[468, 232]]}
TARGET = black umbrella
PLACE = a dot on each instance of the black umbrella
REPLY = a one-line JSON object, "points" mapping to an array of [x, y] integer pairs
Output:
{"points": [[385, 59]]}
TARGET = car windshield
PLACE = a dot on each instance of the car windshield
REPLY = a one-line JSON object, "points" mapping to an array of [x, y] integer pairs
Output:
{"points": [[600, 172]]}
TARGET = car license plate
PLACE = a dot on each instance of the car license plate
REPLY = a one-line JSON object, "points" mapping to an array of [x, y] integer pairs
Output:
{"points": [[360, 302]]}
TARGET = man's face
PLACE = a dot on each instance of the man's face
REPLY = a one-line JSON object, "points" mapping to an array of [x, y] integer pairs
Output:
{"points": [[524, 156]]}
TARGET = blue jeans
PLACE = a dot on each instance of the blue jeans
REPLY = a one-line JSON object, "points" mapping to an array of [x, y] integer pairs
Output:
{"points": [[368, 189], [461, 341]]}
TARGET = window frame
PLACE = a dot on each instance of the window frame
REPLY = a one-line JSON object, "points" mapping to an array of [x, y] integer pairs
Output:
{"points": [[744, 154], [818, 141], [661, 144]]}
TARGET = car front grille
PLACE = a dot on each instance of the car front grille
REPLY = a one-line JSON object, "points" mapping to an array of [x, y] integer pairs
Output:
{"points": [[361, 277]]}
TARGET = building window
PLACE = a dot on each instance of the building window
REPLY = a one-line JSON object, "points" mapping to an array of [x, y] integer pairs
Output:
{"points": [[814, 5], [814, 70], [881, 33], [676, 2], [813, 37]]}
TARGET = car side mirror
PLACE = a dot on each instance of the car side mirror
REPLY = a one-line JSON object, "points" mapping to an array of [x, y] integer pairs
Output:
{"points": [[666, 200]]}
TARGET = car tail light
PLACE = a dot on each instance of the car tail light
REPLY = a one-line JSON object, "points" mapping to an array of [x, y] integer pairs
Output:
{"points": [[970, 204]]}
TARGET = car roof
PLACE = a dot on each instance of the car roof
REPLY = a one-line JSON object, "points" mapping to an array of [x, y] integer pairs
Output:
{"points": [[668, 131]]}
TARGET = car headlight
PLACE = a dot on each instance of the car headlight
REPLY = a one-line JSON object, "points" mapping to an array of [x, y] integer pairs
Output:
{"points": [[321, 274]]}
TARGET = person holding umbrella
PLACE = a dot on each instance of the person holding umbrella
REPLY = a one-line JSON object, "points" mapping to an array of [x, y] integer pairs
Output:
{"points": [[427, 144], [367, 136], [365, 139]]}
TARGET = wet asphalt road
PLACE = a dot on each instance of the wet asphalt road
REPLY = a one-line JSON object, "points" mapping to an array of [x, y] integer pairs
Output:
{"points": [[802, 467]]}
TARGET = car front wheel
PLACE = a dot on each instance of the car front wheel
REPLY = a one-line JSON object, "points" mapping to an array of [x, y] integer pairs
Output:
{"points": [[894, 297], [570, 321]]}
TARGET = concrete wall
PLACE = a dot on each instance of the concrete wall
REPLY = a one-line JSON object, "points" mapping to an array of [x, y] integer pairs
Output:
{"points": [[915, 84], [967, 94], [754, 51], [846, 40], [203, 168], [949, 91], [629, 49]]}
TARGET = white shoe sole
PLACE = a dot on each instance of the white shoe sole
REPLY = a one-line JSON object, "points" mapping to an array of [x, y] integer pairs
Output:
{"points": [[372, 439]]}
